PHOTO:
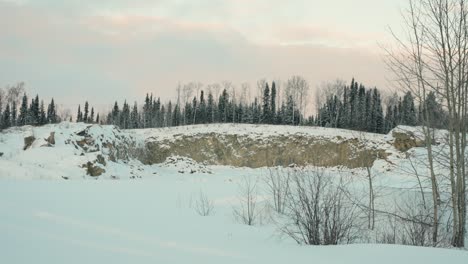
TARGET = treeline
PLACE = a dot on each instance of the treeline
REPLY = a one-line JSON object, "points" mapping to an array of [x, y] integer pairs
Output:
{"points": [[86, 116], [348, 106], [359, 108], [32, 112], [205, 109]]}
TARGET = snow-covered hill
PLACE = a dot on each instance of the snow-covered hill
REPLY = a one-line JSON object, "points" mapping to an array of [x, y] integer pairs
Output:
{"points": [[81, 150]]}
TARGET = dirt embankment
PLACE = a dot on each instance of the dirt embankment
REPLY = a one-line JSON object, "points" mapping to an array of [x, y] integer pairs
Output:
{"points": [[244, 151]]}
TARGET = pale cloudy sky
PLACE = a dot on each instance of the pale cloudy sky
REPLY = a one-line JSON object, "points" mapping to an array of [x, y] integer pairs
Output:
{"points": [[114, 49]]}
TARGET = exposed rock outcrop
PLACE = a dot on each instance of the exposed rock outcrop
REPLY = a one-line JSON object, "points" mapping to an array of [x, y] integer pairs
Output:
{"points": [[244, 151], [93, 170], [405, 140], [28, 141]]}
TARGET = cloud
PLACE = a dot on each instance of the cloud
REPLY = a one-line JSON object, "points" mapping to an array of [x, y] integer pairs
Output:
{"points": [[98, 55]]}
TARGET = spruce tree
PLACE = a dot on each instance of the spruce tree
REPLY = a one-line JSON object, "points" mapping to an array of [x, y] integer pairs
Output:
{"points": [[51, 113], [13, 113], [124, 116], [134, 117], [147, 112], [91, 116], [408, 110], [266, 105], [170, 115], [114, 115], [210, 109], [202, 109], [223, 106], [42, 115], [86, 112], [23, 115], [162, 117], [79, 115], [6, 118], [273, 104]]}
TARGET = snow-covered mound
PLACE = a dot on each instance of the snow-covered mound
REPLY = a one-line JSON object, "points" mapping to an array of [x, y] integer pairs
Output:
{"points": [[66, 150], [185, 165]]}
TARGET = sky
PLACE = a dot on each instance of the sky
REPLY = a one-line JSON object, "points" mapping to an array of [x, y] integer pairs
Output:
{"points": [[107, 50]]}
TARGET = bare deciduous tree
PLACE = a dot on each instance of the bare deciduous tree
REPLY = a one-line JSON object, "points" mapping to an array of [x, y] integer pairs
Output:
{"points": [[317, 210], [247, 211], [203, 205], [277, 183], [298, 88], [433, 57], [328, 89]]}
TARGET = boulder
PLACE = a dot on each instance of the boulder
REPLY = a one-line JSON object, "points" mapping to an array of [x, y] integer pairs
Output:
{"points": [[101, 160], [51, 138], [93, 170], [28, 141]]}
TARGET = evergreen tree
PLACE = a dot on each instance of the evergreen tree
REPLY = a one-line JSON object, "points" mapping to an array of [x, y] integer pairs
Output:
{"points": [[266, 105], [433, 112], [42, 115], [408, 110], [6, 118], [134, 122], [22, 119], [361, 109], [79, 115], [147, 112], [86, 112], [177, 119], [223, 106], [210, 109], [51, 113], [156, 111], [289, 111], [33, 116], [97, 119], [13, 113], [114, 118], [162, 117], [125, 116], [378, 113], [91, 116], [194, 110], [273, 104], [202, 109]]}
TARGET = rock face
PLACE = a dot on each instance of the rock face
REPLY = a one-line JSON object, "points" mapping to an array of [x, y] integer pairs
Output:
{"points": [[405, 140], [243, 151]]}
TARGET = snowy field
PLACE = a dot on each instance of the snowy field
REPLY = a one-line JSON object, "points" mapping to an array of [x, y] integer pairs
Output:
{"points": [[154, 221], [51, 212]]}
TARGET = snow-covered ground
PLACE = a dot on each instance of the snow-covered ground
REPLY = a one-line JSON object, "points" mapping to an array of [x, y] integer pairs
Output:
{"points": [[154, 221], [147, 214]]}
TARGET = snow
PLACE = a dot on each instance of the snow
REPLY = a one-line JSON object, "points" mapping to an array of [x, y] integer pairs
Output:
{"points": [[151, 221], [263, 132], [136, 213]]}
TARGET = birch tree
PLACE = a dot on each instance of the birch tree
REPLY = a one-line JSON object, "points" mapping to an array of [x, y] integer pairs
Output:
{"points": [[432, 55]]}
